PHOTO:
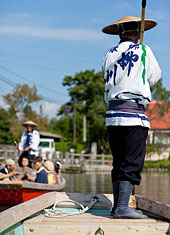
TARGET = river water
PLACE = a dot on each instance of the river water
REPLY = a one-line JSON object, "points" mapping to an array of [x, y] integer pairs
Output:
{"points": [[155, 186]]}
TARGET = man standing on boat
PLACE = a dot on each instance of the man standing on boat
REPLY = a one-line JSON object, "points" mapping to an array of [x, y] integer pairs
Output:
{"points": [[129, 71], [30, 139]]}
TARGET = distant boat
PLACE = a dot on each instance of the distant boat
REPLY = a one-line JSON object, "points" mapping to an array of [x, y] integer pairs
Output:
{"points": [[30, 218], [15, 192]]}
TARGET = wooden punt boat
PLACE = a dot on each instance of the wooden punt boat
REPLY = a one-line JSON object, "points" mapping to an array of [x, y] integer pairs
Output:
{"points": [[15, 192], [29, 218]]}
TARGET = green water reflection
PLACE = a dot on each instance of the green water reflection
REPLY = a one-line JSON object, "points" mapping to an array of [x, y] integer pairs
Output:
{"points": [[155, 186]]}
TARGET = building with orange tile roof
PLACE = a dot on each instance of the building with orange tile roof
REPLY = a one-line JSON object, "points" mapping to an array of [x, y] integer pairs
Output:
{"points": [[159, 117]]}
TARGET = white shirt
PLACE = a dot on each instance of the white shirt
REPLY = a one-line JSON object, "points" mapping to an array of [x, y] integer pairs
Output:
{"points": [[129, 71], [30, 139], [7, 172], [42, 168]]}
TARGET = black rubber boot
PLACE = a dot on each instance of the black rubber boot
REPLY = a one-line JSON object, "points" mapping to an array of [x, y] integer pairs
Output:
{"points": [[115, 188], [123, 211]]}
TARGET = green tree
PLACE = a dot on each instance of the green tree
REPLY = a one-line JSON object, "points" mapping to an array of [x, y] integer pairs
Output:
{"points": [[16, 127], [62, 126], [159, 92], [88, 89], [5, 133], [19, 103], [162, 96], [21, 96]]}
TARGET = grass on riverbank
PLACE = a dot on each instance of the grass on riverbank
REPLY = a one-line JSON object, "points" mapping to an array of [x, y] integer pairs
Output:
{"points": [[157, 164]]}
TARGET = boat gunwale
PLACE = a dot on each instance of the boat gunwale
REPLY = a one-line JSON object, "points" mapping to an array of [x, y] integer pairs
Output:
{"points": [[26, 209], [153, 207], [22, 211], [23, 184]]}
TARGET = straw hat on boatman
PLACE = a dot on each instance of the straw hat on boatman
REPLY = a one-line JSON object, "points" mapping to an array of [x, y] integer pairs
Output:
{"points": [[129, 71], [118, 26], [29, 123], [29, 142]]}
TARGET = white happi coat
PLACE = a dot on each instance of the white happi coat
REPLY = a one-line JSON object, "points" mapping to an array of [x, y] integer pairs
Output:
{"points": [[129, 71], [30, 139]]}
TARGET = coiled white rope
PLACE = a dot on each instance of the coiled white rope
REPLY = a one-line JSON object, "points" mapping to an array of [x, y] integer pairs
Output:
{"points": [[57, 213]]}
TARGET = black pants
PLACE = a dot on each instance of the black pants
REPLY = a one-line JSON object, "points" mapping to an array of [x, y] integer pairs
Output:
{"points": [[128, 146]]}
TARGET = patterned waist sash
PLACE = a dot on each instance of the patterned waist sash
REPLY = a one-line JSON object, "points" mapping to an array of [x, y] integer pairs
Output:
{"points": [[126, 106]]}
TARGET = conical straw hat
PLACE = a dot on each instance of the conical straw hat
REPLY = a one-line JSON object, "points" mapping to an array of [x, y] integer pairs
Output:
{"points": [[113, 28], [29, 123]]}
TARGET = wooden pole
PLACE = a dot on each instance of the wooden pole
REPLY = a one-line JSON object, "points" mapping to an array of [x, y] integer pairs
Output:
{"points": [[74, 123], [142, 28], [84, 129]]}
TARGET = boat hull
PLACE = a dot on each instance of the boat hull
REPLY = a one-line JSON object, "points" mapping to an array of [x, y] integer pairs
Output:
{"points": [[14, 193], [11, 197]]}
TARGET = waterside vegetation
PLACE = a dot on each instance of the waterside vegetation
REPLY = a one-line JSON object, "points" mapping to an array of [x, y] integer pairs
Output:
{"points": [[160, 164]]}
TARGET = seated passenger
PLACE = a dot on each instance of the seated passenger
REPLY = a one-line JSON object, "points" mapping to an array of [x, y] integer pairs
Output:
{"points": [[52, 176], [8, 173], [41, 175], [57, 167], [25, 169]]}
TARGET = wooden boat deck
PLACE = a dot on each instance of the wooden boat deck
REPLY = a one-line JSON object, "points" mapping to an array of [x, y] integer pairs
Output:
{"points": [[89, 223], [30, 219]]}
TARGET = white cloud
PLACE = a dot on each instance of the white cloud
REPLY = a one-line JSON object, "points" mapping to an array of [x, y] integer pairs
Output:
{"points": [[56, 34], [50, 109], [3, 104], [22, 18], [35, 26]]}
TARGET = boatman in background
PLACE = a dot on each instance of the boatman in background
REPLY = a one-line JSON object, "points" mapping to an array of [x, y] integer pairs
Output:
{"points": [[129, 71], [28, 145]]}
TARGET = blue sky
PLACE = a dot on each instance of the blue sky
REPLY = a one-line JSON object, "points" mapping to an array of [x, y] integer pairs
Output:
{"points": [[42, 41]]}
